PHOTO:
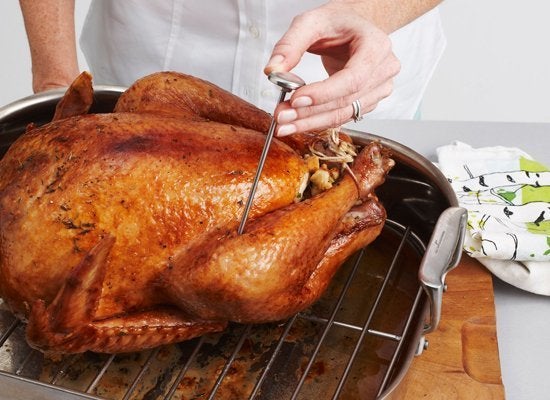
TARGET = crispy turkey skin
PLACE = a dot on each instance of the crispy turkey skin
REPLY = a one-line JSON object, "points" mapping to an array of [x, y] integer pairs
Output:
{"points": [[118, 231]]}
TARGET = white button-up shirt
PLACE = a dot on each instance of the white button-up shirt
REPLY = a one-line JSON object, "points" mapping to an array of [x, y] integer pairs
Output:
{"points": [[228, 42]]}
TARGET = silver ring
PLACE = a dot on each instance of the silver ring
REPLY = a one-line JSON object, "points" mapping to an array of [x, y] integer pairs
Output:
{"points": [[356, 111]]}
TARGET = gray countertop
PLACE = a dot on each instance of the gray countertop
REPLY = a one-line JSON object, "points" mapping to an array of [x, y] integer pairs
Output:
{"points": [[523, 319]]}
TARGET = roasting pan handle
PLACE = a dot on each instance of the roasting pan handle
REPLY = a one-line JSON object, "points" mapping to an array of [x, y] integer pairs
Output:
{"points": [[442, 254]]}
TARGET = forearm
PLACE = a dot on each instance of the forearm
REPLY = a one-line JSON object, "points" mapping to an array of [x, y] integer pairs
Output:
{"points": [[388, 15], [51, 35]]}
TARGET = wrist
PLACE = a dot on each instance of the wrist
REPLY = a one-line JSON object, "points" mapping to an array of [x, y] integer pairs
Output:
{"points": [[52, 79], [376, 12], [387, 15]]}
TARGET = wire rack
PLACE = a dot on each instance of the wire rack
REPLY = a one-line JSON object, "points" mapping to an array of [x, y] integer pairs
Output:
{"points": [[350, 344]]}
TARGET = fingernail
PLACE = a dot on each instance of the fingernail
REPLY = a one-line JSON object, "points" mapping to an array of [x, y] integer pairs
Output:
{"points": [[287, 116], [303, 101], [285, 130], [276, 60]]}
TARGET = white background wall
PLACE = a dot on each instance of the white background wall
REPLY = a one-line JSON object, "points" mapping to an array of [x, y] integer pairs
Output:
{"points": [[496, 66], [497, 63]]}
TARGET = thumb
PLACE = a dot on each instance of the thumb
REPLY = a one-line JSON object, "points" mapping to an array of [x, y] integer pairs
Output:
{"points": [[288, 51]]}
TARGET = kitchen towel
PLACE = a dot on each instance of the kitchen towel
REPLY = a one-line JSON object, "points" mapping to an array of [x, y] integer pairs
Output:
{"points": [[507, 195]]}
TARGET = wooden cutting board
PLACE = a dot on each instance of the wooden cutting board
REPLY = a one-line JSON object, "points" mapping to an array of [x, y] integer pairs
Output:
{"points": [[462, 360]]}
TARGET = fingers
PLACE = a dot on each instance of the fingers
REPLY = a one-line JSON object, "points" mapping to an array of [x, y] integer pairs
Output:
{"points": [[292, 120], [366, 64], [288, 51], [358, 57], [308, 112]]}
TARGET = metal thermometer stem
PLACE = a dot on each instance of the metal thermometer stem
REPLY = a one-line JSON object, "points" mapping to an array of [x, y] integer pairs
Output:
{"points": [[287, 82], [261, 163]]}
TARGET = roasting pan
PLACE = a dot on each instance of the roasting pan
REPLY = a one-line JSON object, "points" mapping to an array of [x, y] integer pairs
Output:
{"points": [[356, 342]]}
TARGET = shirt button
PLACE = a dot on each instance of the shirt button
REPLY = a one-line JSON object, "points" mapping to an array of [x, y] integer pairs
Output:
{"points": [[254, 31], [266, 93]]}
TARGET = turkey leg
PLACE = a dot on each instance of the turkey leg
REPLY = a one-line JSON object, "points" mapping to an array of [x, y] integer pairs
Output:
{"points": [[249, 277]]}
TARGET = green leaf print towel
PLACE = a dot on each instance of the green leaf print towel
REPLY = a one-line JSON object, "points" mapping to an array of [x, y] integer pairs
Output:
{"points": [[507, 195]]}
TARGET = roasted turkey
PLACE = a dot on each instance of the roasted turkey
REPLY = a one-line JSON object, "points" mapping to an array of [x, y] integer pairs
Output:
{"points": [[118, 232]]}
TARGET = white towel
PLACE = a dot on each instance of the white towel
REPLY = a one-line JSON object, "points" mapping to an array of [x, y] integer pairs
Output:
{"points": [[507, 195]]}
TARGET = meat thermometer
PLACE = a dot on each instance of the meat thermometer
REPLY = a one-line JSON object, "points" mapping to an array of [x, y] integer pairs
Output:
{"points": [[288, 82]]}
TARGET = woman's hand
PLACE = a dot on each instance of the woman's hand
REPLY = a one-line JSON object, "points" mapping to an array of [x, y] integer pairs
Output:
{"points": [[356, 54]]}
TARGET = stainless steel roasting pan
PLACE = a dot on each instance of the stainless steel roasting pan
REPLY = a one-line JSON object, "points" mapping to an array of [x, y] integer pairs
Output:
{"points": [[357, 342]]}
